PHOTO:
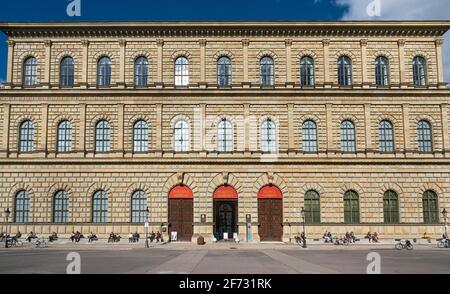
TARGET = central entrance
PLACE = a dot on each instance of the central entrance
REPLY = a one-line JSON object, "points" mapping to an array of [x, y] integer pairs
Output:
{"points": [[225, 212], [225, 219]]}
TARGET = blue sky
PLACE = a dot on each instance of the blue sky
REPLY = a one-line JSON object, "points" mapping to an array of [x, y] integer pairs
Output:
{"points": [[191, 10], [151, 10]]}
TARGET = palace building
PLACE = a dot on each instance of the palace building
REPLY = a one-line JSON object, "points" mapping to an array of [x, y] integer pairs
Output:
{"points": [[225, 129]]}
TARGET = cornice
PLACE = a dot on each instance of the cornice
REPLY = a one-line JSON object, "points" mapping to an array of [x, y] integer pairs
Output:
{"points": [[257, 91], [226, 29], [232, 160]]}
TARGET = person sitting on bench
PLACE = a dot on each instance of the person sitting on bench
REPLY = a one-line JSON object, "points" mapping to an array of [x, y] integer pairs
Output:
{"points": [[92, 237], [31, 236], [53, 237], [152, 236], [159, 237]]}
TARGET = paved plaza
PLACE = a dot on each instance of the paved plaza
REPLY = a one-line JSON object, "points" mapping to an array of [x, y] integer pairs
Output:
{"points": [[226, 258]]}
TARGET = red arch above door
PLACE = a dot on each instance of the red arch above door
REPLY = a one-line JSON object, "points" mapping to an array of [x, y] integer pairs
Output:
{"points": [[181, 192], [225, 192], [270, 192]]}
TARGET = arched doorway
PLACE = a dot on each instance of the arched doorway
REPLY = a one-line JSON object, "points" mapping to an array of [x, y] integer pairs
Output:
{"points": [[225, 212], [270, 213], [181, 211]]}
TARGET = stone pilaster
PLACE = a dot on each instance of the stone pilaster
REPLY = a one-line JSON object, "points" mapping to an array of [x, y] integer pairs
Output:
{"points": [[123, 47], [48, 57], [368, 131], [330, 145], [245, 44], [247, 127], [364, 63], [82, 133], [439, 63], [160, 77], [289, 80], [445, 129], [202, 127], [85, 64], [290, 109], [120, 128], [406, 128], [326, 63], [158, 127], [10, 66], [401, 60], [202, 44], [44, 130]]}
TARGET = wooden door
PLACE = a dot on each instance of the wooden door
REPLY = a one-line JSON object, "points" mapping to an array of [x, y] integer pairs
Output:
{"points": [[270, 217], [181, 218]]}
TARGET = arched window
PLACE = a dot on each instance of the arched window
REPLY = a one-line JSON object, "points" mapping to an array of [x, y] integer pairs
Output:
{"points": [[181, 71], [390, 207], [266, 71], [420, 71], [307, 71], [268, 136], [67, 72], [351, 207], [424, 136], [30, 72], [140, 136], [312, 207], [181, 136], [138, 207], [100, 207], [104, 72], [61, 207], [386, 131], [22, 207], [344, 71], [225, 136], [26, 136], [348, 140], [382, 71], [430, 207], [309, 136], [102, 136], [224, 71], [141, 72], [64, 136]]}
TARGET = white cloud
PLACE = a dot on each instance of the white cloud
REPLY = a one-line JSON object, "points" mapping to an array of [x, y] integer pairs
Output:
{"points": [[403, 10]]}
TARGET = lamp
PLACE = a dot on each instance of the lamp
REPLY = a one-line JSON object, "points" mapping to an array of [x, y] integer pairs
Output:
{"points": [[444, 215], [304, 231], [147, 212], [6, 214]]}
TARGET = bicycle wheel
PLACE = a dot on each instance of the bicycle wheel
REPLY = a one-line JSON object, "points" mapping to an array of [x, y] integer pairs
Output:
{"points": [[441, 244], [398, 246], [409, 247], [19, 243]]}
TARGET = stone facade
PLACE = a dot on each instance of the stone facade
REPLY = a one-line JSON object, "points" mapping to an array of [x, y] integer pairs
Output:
{"points": [[329, 171]]}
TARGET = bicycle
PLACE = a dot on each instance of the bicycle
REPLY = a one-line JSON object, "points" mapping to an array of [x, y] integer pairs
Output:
{"points": [[406, 244], [14, 242], [444, 243], [40, 243]]}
